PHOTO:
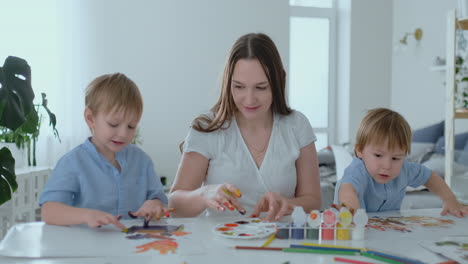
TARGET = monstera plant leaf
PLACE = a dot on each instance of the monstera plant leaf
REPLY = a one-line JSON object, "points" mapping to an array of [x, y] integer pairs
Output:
{"points": [[8, 183], [16, 110], [16, 94]]}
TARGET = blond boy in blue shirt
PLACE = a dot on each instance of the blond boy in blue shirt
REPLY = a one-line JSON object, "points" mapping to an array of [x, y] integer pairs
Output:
{"points": [[106, 177], [377, 178]]}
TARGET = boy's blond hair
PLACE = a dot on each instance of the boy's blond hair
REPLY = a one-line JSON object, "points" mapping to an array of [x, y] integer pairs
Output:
{"points": [[384, 125], [113, 93]]}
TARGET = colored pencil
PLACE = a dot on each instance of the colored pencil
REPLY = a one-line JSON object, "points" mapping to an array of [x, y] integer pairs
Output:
{"points": [[318, 251], [351, 261], [397, 258], [448, 262], [386, 260], [326, 248], [269, 240], [329, 246], [259, 248]]}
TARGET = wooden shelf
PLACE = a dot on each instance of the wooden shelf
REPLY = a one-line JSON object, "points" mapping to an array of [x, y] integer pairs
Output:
{"points": [[463, 23], [461, 113]]}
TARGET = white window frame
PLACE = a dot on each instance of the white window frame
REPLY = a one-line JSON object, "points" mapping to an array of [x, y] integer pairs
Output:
{"points": [[330, 14]]}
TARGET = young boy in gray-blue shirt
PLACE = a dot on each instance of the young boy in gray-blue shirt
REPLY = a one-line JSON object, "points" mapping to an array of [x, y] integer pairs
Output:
{"points": [[103, 179], [377, 178]]}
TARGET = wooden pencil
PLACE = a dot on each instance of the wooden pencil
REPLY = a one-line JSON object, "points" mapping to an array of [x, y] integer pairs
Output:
{"points": [[386, 260], [326, 248], [259, 248], [329, 246], [397, 258], [353, 261], [269, 240], [318, 251]]}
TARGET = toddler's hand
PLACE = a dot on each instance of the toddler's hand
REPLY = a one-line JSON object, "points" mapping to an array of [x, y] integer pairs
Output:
{"points": [[455, 208], [96, 218], [223, 196], [152, 209], [276, 205]]}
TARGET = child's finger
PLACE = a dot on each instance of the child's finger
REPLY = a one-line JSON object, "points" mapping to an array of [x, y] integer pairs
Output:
{"points": [[444, 211], [118, 224]]}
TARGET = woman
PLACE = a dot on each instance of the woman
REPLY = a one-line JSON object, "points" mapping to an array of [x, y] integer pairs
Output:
{"points": [[251, 141]]}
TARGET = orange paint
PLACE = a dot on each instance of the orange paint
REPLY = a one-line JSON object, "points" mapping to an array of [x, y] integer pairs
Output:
{"points": [[163, 246], [238, 193], [180, 233], [223, 229], [231, 225]]}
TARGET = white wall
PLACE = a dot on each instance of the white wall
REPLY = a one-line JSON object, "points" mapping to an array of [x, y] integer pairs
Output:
{"points": [[364, 66], [417, 92], [173, 50]]}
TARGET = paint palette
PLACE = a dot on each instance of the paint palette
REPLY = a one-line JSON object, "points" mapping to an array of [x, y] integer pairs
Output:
{"points": [[251, 228]]}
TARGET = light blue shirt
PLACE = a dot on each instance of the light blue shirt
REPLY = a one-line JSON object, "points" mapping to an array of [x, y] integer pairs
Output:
{"points": [[377, 197], [84, 178]]}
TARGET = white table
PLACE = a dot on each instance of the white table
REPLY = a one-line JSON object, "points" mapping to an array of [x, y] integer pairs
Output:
{"points": [[45, 244]]}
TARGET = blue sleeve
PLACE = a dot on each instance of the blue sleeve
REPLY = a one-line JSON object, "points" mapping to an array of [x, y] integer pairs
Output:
{"points": [[359, 181], [417, 174], [63, 184], [155, 187]]}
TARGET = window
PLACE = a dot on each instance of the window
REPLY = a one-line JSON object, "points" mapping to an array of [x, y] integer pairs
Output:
{"points": [[311, 65]]}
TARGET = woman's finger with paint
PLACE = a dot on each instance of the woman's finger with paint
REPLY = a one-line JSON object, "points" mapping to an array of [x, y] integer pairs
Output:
{"points": [[260, 207], [215, 204], [285, 209], [232, 190]]}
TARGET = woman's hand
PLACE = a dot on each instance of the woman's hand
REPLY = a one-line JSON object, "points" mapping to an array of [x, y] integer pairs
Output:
{"points": [[96, 218], [276, 205], [222, 197], [152, 209]]}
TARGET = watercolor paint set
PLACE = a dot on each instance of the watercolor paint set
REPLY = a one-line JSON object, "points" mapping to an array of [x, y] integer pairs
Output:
{"points": [[250, 228], [332, 224]]}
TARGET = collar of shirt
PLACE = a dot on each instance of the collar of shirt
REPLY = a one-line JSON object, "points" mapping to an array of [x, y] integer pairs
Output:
{"points": [[119, 156]]}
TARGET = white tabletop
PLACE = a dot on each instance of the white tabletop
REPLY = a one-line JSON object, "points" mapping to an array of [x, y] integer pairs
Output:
{"points": [[39, 243]]}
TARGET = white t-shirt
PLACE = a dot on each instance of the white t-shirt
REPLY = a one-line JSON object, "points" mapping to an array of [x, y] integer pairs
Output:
{"points": [[231, 162]]}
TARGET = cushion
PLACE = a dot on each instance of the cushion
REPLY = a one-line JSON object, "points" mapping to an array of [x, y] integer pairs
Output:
{"points": [[429, 134], [420, 152], [460, 142], [437, 164]]}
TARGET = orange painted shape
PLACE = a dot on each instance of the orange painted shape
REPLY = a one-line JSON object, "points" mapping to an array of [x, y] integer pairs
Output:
{"points": [[163, 246], [223, 229], [180, 233]]}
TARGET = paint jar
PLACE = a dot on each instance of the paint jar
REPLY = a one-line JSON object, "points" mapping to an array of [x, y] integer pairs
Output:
{"points": [[297, 232], [312, 233], [283, 230], [328, 232], [358, 233], [342, 233]]}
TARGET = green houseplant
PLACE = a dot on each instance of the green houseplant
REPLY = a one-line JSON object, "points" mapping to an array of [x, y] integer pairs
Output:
{"points": [[18, 115], [461, 78]]}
